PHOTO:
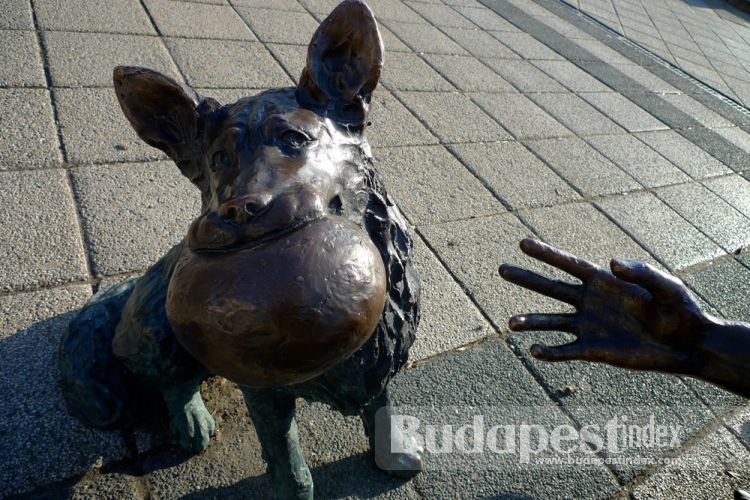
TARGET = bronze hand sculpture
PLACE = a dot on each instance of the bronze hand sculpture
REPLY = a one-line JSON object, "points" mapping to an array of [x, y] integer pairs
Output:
{"points": [[296, 280], [635, 316]]}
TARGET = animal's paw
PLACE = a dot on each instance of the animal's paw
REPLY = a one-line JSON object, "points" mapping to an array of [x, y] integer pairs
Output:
{"points": [[400, 456], [192, 425]]}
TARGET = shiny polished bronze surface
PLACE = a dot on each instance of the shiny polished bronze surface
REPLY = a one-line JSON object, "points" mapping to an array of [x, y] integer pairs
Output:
{"points": [[283, 311]]}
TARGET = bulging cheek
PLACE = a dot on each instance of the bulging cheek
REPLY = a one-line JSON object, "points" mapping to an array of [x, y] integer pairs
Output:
{"points": [[207, 231]]}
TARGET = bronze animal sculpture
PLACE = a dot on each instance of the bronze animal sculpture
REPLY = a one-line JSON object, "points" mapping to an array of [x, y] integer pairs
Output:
{"points": [[633, 317], [296, 280]]}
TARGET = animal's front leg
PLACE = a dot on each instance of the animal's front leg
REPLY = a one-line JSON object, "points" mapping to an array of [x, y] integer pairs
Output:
{"points": [[189, 421], [395, 451], [273, 417]]}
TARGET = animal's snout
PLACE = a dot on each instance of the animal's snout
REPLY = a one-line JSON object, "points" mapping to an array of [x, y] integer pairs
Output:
{"points": [[241, 210]]}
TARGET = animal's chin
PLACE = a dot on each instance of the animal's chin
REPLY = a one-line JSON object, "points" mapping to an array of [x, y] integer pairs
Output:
{"points": [[207, 236]]}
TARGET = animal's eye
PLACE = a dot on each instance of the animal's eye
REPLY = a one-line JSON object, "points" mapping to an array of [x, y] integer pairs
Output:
{"points": [[293, 139], [220, 160]]}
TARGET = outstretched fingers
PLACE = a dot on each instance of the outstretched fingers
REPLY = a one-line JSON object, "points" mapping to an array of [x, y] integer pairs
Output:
{"points": [[575, 266], [661, 285], [544, 322], [555, 289], [567, 352]]}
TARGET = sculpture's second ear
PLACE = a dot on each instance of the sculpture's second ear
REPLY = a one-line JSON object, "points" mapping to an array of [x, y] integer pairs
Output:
{"points": [[344, 62], [164, 113]]}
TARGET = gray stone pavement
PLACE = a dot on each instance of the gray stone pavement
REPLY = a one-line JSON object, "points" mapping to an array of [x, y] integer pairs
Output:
{"points": [[495, 120]]}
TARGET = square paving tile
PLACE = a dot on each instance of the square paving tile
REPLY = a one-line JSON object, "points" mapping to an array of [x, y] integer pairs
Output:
{"points": [[734, 189], [467, 121], [486, 18], [515, 173], [20, 62], [687, 156], [130, 233], [424, 38], [227, 63], [526, 45], [265, 4], [270, 26], [394, 125], [576, 114], [108, 16], [449, 319], [624, 112], [520, 116], [581, 229], [583, 167], [431, 186], [95, 130], [292, 57], [697, 111], [41, 442], [668, 236], [646, 165], [196, 20], [395, 10], [16, 15], [41, 241], [87, 59], [440, 15], [406, 71], [29, 135], [391, 43], [524, 76], [468, 74], [571, 76], [480, 43], [725, 284], [708, 212]]}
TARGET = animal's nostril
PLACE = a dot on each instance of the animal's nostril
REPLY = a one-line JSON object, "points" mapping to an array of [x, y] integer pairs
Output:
{"points": [[230, 214]]}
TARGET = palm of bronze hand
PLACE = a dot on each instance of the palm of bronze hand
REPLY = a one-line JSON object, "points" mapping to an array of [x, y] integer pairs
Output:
{"points": [[635, 316]]}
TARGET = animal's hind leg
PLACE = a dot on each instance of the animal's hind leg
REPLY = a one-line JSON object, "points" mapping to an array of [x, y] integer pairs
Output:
{"points": [[394, 451], [273, 417]]}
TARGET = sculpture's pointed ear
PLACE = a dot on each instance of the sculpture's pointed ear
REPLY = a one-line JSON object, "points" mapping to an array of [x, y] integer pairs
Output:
{"points": [[344, 62], [165, 113]]}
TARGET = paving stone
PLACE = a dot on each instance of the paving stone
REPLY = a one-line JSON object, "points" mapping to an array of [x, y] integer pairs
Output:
{"points": [[598, 53], [129, 233], [269, 26], [604, 392], [708, 212], [441, 15], [582, 166], [87, 59], [94, 129], [41, 442], [395, 10], [41, 242], [640, 78], [725, 284], [480, 43], [291, 57], [468, 74], [582, 230], [704, 473], [197, 20], [16, 15], [734, 189], [473, 384], [226, 63], [20, 63], [697, 111], [228, 96], [571, 76], [265, 4], [29, 136], [740, 424], [690, 158], [474, 249], [738, 138], [107, 16], [467, 121], [515, 174], [524, 76], [432, 186], [111, 485], [526, 45], [485, 18], [403, 71], [391, 43], [624, 112], [424, 38], [393, 125], [646, 165], [520, 116], [449, 319], [576, 114], [660, 230]]}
